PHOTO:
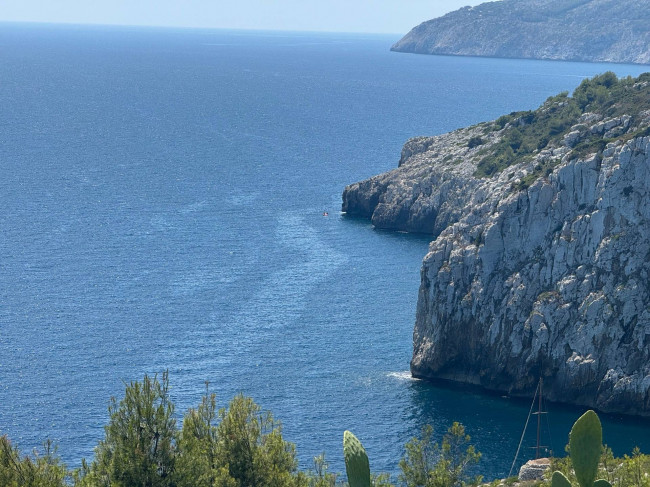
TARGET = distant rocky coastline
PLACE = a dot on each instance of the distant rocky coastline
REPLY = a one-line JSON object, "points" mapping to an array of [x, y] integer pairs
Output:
{"points": [[540, 260], [570, 30]]}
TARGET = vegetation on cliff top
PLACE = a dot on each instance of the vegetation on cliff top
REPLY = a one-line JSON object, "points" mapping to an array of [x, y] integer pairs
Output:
{"points": [[527, 133]]}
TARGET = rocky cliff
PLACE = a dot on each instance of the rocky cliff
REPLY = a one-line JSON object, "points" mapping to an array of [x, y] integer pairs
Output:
{"points": [[578, 30], [540, 263]]}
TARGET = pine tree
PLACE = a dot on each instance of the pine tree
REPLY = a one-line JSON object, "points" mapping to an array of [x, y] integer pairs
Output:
{"points": [[139, 445]]}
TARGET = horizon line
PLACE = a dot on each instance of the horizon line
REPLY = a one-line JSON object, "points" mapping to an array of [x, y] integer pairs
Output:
{"points": [[183, 27]]}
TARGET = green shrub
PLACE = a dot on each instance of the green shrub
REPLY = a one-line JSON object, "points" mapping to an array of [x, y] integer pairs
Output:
{"points": [[532, 131], [475, 142], [38, 470], [427, 464]]}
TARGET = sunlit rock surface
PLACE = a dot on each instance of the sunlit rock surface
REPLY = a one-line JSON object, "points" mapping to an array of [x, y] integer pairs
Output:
{"points": [[548, 278]]}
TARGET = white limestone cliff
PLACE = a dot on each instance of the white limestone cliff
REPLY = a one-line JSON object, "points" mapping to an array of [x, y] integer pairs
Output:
{"points": [[529, 276]]}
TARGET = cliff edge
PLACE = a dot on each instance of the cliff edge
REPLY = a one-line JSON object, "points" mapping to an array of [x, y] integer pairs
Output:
{"points": [[570, 30], [540, 263]]}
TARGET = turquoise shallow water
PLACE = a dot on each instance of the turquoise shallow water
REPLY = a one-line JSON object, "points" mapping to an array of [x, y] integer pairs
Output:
{"points": [[162, 199]]}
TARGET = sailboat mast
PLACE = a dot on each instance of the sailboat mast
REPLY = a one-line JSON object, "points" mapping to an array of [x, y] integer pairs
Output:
{"points": [[539, 417], [539, 413]]}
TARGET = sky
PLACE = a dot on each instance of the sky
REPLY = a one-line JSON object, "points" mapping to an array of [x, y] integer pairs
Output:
{"points": [[380, 16]]}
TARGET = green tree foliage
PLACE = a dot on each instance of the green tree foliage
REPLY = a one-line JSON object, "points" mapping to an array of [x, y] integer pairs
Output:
{"points": [[39, 470], [251, 447], [242, 446], [139, 444], [381, 480], [419, 461], [633, 470], [198, 444], [238, 446], [427, 464], [595, 90]]}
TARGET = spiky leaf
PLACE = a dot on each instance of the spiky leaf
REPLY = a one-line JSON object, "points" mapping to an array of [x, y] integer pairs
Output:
{"points": [[602, 483], [559, 480], [585, 445], [356, 461]]}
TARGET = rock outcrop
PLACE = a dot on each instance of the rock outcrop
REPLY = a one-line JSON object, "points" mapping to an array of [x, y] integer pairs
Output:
{"points": [[577, 30], [534, 469], [540, 265], [417, 197]]}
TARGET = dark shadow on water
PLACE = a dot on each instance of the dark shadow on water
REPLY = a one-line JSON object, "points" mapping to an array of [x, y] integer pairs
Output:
{"points": [[356, 220], [363, 222], [496, 422], [421, 237]]}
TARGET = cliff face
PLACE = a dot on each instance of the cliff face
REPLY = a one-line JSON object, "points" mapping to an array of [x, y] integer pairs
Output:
{"points": [[540, 268], [579, 30]]}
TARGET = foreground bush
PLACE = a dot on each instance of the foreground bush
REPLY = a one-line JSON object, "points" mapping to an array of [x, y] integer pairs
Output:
{"points": [[39, 470], [238, 446], [242, 446], [246, 448], [139, 445], [427, 464]]}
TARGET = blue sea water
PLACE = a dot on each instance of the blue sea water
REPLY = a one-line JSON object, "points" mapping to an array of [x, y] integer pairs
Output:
{"points": [[162, 199]]}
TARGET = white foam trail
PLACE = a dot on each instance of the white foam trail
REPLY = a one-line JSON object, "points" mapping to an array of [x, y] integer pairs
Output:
{"points": [[404, 375], [281, 295]]}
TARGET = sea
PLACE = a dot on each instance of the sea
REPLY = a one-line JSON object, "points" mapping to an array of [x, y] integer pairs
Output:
{"points": [[170, 201]]}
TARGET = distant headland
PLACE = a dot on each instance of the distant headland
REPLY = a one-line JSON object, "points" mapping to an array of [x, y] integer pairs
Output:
{"points": [[569, 30]]}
